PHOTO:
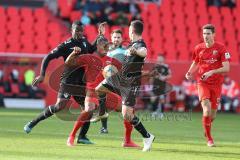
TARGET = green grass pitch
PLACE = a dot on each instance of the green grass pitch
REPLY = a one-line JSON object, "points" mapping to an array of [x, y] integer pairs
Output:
{"points": [[178, 136]]}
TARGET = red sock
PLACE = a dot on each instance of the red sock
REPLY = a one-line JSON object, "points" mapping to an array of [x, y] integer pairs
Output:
{"points": [[128, 130], [79, 123], [206, 122]]}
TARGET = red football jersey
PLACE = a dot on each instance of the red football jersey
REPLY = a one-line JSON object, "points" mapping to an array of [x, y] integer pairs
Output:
{"points": [[93, 65], [94, 71], [210, 59]]}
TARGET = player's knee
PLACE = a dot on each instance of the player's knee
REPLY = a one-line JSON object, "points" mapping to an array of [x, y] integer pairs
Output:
{"points": [[90, 114], [213, 114], [100, 90], [85, 116], [205, 102], [52, 109], [135, 121], [127, 116], [89, 107], [206, 105]]}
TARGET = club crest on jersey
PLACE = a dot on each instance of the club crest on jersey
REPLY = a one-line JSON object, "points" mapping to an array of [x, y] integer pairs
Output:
{"points": [[215, 52], [66, 95]]}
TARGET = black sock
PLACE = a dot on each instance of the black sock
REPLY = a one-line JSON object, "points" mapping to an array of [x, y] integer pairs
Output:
{"points": [[162, 107], [102, 103], [104, 122], [84, 130], [139, 127], [48, 112]]}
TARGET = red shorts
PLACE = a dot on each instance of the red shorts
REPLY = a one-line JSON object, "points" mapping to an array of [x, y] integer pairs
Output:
{"points": [[213, 93], [113, 101]]}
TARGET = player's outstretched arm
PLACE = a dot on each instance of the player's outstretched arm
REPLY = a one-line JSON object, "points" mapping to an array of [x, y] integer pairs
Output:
{"points": [[45, 62], [72, 58], [55, 53], [101, 32]]}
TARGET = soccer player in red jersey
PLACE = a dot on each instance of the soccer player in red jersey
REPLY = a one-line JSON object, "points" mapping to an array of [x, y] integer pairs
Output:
{"points": [[211, 59], [91, 100], [117, 52]]}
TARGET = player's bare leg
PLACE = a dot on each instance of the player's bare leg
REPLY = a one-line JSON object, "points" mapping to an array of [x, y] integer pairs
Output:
{"points": [[213, 114], [128, 114], [207, 121]]}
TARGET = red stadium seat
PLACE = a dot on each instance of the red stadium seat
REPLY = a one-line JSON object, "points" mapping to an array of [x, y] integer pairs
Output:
{"points": [[178, 6], [15, 89], [66, 7], [14, 47], [26, 13], [43, 48], [24, 25], [142, 6], [27, 48], [203, 19], [75, 15], [12, 12], [3, 47], [91, 32]]}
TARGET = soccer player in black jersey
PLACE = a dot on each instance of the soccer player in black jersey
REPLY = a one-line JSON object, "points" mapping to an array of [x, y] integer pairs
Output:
{"points": [[70, 76], [128, 80]]}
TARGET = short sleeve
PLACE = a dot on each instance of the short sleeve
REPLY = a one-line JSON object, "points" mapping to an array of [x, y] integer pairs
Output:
{"points": [[195, 56], [59, 51], [225, 55]]}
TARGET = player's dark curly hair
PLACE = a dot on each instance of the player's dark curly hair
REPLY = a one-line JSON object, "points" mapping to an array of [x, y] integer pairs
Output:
{"points": [[77, 23]]}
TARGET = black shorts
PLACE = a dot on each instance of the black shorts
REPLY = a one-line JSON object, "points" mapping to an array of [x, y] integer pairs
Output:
{"points": [[66, 91], [124, 87]]}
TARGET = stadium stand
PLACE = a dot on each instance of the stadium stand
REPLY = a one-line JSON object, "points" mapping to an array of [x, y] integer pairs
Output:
{"points": [[172, 28], [167, 31], [170, 31]]}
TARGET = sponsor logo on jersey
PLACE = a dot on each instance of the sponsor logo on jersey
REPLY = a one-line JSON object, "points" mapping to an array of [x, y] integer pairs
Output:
{"points": [[215, 52], [212, 60], [66, 95], [67, 41]]}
